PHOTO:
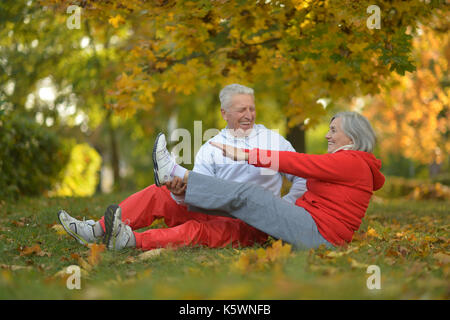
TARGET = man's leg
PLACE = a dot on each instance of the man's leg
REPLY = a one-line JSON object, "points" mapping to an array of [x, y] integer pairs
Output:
{"points": [[257, 207]]}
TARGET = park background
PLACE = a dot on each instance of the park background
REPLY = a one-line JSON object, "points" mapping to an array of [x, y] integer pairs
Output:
{"points": [[85, 87]]}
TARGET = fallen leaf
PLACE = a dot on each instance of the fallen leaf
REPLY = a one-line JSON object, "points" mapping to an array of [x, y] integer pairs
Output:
{"points": [[150, 254], [13, 267], [277, 251], [94, 254], [336, 254], [59, 229], [26, 251], [63, 273], [357, 236], [18, 223], [356, 264], [84, 265], [129, 260], [371, 232], [403, 251], [442, 257], [400, 234]]}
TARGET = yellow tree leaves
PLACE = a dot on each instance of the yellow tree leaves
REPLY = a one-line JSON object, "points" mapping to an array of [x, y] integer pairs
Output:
{"points": [[412, 114], [302, 50], [116, 20]]}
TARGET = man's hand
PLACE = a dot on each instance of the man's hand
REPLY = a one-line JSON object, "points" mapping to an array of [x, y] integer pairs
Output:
{"points": [[231, 152], [177, 186]]}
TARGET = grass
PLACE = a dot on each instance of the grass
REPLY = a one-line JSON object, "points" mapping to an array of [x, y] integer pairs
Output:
{"points": [[408, 240]]}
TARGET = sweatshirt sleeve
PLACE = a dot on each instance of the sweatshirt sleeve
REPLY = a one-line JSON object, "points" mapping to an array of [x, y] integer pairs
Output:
{"points": [[298, 187], [336, 167]]}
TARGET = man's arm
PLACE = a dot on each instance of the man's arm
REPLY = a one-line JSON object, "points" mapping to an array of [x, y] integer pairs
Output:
{"points": [[298, 187]]}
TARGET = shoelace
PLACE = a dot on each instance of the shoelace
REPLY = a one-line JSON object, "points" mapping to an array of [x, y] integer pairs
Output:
{"points": [[82, 224], [125, 222], [86, 223]]}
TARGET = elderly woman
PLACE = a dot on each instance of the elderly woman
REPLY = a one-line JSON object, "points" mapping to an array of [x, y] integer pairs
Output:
{"points": [[340, 185]]}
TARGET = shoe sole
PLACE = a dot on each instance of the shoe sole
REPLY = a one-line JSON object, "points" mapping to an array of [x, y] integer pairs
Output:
{"points": [[111, 225], [70, 232], [155, 165]]}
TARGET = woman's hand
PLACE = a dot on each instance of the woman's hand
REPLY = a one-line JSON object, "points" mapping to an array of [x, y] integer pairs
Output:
{"points": [[177, 186], [231, 152]]}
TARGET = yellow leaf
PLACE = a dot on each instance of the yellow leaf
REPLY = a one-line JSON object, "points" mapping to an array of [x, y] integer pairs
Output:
{"points": [[372, 233], [84, 265], [150, 254], [335, 254], [63, 273], [94, 254], [59, 229], [356, 264]]}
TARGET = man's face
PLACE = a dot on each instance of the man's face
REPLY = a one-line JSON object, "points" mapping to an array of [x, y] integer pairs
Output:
{"points": [[241, 114]]}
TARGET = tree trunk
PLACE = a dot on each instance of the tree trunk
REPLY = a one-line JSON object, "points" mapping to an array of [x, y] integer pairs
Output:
{"points": [[114, 153], [296, 136]]}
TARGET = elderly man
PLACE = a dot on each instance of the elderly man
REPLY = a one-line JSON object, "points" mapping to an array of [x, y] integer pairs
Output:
{"points": [[188, 225]]}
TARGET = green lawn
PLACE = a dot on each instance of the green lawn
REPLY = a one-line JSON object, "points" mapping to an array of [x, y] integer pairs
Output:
{"points": [[407, 240]]}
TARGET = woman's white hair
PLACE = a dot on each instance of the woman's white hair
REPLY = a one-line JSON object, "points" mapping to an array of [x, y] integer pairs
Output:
{"points": [[357, 128], [227, 93]]}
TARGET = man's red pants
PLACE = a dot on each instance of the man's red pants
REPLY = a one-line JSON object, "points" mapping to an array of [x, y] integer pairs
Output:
{"points": [[184, 227]]}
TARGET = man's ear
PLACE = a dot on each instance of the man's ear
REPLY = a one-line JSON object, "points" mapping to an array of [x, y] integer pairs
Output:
{"points": [[223, 112]]}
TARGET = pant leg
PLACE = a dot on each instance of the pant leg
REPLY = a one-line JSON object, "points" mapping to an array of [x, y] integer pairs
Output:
{"points": [[214, 233], [142, 208], [257, 207]]}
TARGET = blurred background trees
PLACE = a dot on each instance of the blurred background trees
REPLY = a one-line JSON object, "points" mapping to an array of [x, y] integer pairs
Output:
{"points": [[132, 68]]}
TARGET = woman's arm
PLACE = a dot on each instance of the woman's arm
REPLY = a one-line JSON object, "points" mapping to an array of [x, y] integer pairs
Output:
{"points": [[336, 167]]}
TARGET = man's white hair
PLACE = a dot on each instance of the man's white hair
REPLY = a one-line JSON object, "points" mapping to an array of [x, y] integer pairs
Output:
{"points": [[357, 128], [227, 93]]}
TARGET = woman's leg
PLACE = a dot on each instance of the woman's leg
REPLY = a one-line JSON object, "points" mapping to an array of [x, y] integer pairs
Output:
{"points": [[257, 207], [185, 227], [142, 208], [214, 233]]}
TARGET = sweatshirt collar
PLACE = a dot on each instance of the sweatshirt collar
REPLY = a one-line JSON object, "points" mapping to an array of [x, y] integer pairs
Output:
{"points": [[226, 132], [346, 147]]}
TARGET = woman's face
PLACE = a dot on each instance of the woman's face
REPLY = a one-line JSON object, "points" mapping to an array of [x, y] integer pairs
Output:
{"points": [[336, 136]]}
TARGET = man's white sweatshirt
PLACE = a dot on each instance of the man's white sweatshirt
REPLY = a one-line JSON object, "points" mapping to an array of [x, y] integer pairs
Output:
{"points": [[210, 161]]}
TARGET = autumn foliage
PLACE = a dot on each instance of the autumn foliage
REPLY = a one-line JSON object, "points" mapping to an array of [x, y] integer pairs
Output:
{"points": [[412, 113], [300, 51]]}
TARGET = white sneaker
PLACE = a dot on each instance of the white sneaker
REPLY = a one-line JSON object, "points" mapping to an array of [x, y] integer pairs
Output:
{"points": [[117, 233], [82, 231], [163, 162]]}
